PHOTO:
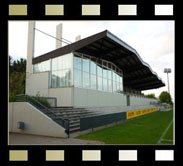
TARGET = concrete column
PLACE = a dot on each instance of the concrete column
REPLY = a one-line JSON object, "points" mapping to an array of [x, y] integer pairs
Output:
{"points": [[30, 46], [77, 37], [59, 35], [30, 54]]}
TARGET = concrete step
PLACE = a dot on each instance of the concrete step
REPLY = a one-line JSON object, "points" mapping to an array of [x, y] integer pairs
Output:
{"points": [[69, 110], [74, 115], [74, 121], [74, 125], [74, 129], [70, 114]]}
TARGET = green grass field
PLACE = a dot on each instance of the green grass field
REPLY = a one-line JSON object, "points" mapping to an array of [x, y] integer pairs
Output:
{"points": [[148, 129]]}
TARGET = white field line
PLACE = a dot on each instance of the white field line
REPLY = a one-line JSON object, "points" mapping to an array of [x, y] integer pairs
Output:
{"points": [[164, 132], [167, 140]]}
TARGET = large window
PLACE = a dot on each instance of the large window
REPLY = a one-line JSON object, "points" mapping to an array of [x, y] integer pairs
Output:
{"points": [[99, 83], [42, 67], [91, 73], [61, 71], [93, 68], [77, 63], [78, 71], [86, 65], [93, 81], [77, 78], [86, 80]]}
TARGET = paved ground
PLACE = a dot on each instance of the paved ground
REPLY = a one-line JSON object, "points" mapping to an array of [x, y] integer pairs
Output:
{"points": [[25, 139]]}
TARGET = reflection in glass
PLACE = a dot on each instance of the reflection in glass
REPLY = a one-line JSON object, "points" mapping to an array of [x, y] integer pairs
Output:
{"points": [[104, 73], [93, 82], [104, 84], [54, 79], [114, 86], [117, 86], [61, 71], [93, 67], [86, 65], [60, 79], [42, 66], [86, 81], [54, 64], [99, 83], [113, 76], [121, 83], [99, 71], [67, 76], [110, 85], [77, 78], [36, 68], [120, 86], [77, 63], [120, 79], [88, 74], [109, 74], [60, 63]]}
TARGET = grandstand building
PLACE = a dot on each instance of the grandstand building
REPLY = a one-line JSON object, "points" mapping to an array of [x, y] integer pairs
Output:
{"points": [[96, 81], [100, 70]]}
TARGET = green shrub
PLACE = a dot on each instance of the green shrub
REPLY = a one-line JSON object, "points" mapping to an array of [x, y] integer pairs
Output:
{"points": [[11, 97], [43, 101]]}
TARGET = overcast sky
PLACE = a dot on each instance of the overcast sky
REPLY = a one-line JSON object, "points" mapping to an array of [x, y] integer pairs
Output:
{"points": [[153, 40]]}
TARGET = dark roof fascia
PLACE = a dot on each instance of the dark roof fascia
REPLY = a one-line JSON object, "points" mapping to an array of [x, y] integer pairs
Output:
{"points": [[119, 41]]}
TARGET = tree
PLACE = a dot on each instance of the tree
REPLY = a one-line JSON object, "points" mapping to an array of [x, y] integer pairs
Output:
{"points": [[165, 97], [17, 74], [152, 95]]}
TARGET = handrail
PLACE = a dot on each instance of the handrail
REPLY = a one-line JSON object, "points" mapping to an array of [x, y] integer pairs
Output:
{"points": [[64, 123], [27, 96]]}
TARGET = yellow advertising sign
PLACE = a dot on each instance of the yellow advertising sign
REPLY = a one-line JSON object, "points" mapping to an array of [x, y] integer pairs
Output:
{"points": [[136, 113]]}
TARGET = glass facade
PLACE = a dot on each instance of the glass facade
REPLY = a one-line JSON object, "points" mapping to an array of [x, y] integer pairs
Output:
{"points": [[42, 67], [61, 71], [91, 73]]}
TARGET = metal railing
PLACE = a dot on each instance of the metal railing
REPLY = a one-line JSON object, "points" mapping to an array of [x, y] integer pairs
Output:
{"points": [[46, 101], [43, 108]]}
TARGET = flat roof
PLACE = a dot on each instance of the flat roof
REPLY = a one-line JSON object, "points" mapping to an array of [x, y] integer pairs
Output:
{"points": [[137, 74]]}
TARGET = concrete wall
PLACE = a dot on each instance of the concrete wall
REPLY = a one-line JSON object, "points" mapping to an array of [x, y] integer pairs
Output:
{"points": [[10, 118], [94, 98], [136, 100], [64, 96], [78, 97], [35, 121], [37, 82]]}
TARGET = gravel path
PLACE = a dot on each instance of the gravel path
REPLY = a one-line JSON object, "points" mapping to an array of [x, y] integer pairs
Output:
{"points": [[25, 139]]}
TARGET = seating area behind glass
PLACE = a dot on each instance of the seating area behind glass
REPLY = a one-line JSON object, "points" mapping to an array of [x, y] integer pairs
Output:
{"points": [[88, 72], [97, 74]]}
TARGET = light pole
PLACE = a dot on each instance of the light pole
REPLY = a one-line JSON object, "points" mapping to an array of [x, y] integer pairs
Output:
{"points": [[167, 70]]}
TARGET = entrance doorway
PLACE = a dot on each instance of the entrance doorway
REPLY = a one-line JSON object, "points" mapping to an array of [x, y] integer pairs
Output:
{"points": [[128, 100]]}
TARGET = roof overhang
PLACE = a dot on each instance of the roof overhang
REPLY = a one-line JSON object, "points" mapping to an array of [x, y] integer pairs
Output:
{"points": [[137, 74]]}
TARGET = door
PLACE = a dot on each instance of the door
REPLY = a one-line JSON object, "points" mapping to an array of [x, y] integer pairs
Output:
{"points": [[128, 100]]}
